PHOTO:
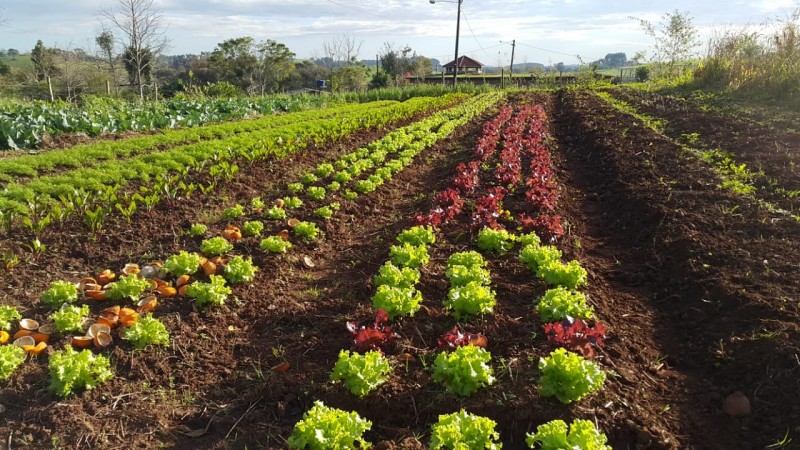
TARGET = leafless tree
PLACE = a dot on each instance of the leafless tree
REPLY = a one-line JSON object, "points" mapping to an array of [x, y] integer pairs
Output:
{"points": [[342, 50], [140, 27], [73, 75]]}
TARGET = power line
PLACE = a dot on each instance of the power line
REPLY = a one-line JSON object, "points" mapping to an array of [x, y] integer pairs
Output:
{"points": [[473, 33], [357, 9]]}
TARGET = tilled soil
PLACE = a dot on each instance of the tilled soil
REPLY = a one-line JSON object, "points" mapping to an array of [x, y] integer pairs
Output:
{"points": [[699, 304]]}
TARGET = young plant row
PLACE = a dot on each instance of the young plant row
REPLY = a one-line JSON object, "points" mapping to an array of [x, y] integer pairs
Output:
{"points": [[96, 192], [26, 126], [88, 155], [520, 137]]}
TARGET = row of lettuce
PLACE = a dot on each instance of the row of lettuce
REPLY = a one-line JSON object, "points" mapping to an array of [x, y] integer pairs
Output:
{"points": [[124, 186], [463, 365], [28, 125]]}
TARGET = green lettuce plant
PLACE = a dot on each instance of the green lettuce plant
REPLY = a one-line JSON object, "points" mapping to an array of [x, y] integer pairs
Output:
{"points": [[495, 241], [306, 231], [275, 244], [535, 256], [417, 235], [197, 230], [69, 318], [239, 270], [252, 228], [559, 303], [463, 275], [570, 275], [214, 292], [60, 292], [275, 213], [407, 255], [8, 314], [233, 212], [462, 430], [215, 246], [325, 428], [470, 300], [315, 192], [391, 275], [292, 202], [71, 371], [11, 357], [361, 373], [128, 286], [323, 170], [568, 376], [295, 188], [184, 263], [147, 331], [555, 435], [464, 370], [397, 301], [469, 259]]}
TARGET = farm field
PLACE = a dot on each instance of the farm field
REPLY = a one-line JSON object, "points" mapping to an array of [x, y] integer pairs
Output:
{"points": [[690, 274]]}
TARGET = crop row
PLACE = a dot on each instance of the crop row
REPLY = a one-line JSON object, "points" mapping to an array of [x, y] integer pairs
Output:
{"points": [[95, 192], [463, 365], [138, 290], [26, 126], [87, 155]]}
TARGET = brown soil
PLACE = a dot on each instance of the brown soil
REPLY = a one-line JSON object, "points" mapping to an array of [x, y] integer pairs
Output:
{"points": [[685, 289]]}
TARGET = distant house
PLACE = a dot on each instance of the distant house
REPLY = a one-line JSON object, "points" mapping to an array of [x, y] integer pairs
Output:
{"points": [[465, 65]]}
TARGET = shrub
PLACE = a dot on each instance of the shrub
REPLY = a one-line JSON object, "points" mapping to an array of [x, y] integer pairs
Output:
{"points": [[324, 428], [462, 430], [559, 303], [361, 373], [568, 376], [464, 370]]}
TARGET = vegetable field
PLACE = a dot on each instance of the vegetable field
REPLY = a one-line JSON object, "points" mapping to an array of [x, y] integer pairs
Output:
{"points": [[526, 269]]}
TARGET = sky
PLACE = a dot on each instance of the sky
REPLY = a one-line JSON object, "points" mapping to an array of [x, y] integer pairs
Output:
{"points": [[546, 31]]}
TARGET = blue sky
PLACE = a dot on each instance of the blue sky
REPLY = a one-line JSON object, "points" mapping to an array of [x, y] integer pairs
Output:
{"points": [[546, 31]]}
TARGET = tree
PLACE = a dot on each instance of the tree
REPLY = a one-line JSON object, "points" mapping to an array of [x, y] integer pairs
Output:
{"points": [[140, 26], [421, 67], [350, 78], [234, 61], [105, 41], [274, 64], [395, 62], [615, 60], [343, 50], [12, 52], [42, 59], [675, 38], [560, 69]]}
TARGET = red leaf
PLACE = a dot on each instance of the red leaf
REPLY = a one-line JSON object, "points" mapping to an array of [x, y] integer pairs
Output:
{"points": [[374, 336], [455, 338], [576, 335]]}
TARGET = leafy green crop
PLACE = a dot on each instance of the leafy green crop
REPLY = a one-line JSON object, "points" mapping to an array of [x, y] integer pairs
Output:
{"points": [[463, 370], [7, 315], [147, 331], [529, 239], [197, 230], [350, 195], [554, 435], [361, 373], [275, 213], [417, 235], [128, 286], [308, 178], [11, 357], [496, 241], [306, 231], [292, 202], [323, 170], [315, 192], [215, 246], [184, 263], [240, 270], [274, 244], [69, 318], [559, 303], [324, 212], [342, 177], [470, 300], [462, 275], [252, 228], [570, 275], [256, 204], [391, 275], [333, 186], [325, 428], [365, 186], [233, 212], [71, 370], [397, 301], [535, 256], [295, 188], [469, 259], [568, 376], [462, 430], [407, 255], [60, 292], [212, 293]]}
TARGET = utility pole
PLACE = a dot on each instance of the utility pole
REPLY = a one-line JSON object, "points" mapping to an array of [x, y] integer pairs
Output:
{"points": [[458, 31], [511, 69], [377, 63]]}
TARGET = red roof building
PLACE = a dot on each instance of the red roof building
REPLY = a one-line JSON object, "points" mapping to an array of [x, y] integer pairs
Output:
{"points": [[465, 65]]}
